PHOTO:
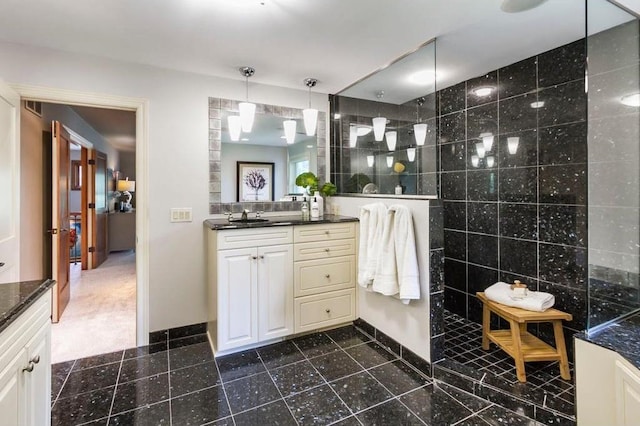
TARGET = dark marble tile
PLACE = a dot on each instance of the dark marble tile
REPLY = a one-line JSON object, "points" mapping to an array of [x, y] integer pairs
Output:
{"points": [[190, 355], [388, 342], [566, 103], [452, 127], [275, 413], [200, 407], [518, 149], [437, 348], [160, 336], [496, 415], [453, 185], [455, 274], [82, 408], [97, 360], [563, 184], [569, 300], [510, 277], [365, 326], [483, 218], [519, 221], [455, 245], [452, 98], [187, 330], [317, 406], [482, 119], [349, 421], [295, 378], [398, 377], [156, 414], [143, 366], [515, 114], [145, 350], [390, 412], [436, 224], [335, 365], [250, 392], [348, 336], [436, 314], [315, 344], [518, 78], [506, 400], [470, 401], [280, 354], [59, 374], [551, 418], [370, 354], [564, 144], [436, 270], [489, 80], [563, 224], [565, 63], [434, 406], [240, 364], [480, 278], [519, 256], [194, 378], [564, 265], [140, 392], [90, 379], [483, 250], [519, 185], [455, 215], [186, 341], [482, 185], [453, 156], [418, 362], [360, 391]]}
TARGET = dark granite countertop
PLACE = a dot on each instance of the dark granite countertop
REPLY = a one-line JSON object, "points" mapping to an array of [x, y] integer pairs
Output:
{"points": [[284, 220], [15, 298], [622, 337]]}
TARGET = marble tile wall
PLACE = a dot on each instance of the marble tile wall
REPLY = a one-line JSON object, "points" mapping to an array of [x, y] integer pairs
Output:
{"points": [[521, 214]]}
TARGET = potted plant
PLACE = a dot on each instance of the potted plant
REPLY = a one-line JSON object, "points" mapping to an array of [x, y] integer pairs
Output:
{"points": [[309, 181]]}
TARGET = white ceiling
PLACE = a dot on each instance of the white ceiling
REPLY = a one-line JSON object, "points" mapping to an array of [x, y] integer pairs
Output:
{"points": [[116, 126]]}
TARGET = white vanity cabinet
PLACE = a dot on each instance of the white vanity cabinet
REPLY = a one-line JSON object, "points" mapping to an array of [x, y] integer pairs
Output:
{"points": [[25, 367]]}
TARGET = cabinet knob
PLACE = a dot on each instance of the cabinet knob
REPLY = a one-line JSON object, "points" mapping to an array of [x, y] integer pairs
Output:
{"points": [[29, 368], [327, 250], [326, 232], [328, 310], [327, 276], [35, 359], [254, 257], [261, 257]]}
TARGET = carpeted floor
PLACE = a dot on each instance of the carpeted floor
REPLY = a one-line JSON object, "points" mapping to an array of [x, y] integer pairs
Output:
{"points": [[101, 316]]}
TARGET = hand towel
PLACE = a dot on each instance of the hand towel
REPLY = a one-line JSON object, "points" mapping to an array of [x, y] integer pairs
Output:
{"points": [[372, 218], [537, 301]]}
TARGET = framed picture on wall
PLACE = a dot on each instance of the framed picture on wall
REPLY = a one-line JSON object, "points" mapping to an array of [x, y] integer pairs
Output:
{"points": [[255, 181]]}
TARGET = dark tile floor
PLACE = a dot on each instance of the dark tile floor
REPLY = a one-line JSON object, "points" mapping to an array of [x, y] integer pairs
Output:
{"points": [[337, 377]]}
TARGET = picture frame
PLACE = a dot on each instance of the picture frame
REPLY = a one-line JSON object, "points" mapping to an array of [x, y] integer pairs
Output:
{"points": [[76, 175], [254, 181]]}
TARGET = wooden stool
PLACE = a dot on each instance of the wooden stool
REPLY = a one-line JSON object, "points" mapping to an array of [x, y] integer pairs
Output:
{"points": [[521, 345]]}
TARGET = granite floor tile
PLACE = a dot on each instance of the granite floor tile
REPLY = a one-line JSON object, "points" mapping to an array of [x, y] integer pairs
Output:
{"points": [[335, 365], [140, 392], [190, 355], [349, 421], [390, 413], [317, 406], [98, 360], [360, 391], [295, 378], [496, 415], [251, 392], [156, 414], [276, 414], [144, 366], [280, 354], [238, 365], [82, 408], [59, 374], [145, 350], [90, 379], [194, 378], [315, 344], [187, 341], [200, 407], [398, 377], [348, 336], [370, 354], [434, 406]]}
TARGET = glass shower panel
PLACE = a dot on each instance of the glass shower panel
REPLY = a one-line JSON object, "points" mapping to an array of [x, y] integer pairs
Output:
{"points": [[613, 50]]}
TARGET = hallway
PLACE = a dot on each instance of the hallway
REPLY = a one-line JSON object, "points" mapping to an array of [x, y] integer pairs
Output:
{"points": [[101, 316]]}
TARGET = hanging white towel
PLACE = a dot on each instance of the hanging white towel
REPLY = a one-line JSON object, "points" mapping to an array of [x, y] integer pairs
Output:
{"points": [[534, 301], [372, 218]]}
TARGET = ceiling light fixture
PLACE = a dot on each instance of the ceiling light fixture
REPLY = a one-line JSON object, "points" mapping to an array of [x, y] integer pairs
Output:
{"points": [[512, 145], [353, 136], [235, 127], [290, 130], [480, 149], [483, 91], [363, 130], [310, 114], [411, 154], [632, 100], [392, 138], [370, 160], [389, 161], [247, 109], [475, 160], [379, 123], [487, 141], [419, 129], [517, 6], [336, 116], [423, 78], [490, 161], [537, 104]]}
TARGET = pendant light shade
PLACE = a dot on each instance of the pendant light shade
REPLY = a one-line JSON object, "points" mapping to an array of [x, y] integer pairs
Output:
{"points": [[389, 161], [310, 114], [487, 141], [512, 145], [290, 130], [353, 136], [247, 109], [491, 161], [475, 161], [420, 133], [392, 138], [235, 127], [370, 160], [379, 125], [480, 149], [411, 154]]}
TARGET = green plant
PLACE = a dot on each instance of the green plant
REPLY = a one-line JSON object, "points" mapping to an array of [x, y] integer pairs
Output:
{"points": [[328, 189], [309, 181]]}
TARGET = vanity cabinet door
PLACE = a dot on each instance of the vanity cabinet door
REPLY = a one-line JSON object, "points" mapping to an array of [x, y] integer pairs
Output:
{"points": [[12, 396], [39, 378], [275, 291], [237, 298]]}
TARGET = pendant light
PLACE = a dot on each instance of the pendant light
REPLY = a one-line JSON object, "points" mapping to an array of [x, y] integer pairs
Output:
{"points": [[512, 144], [389, 161], [475, 160], [353, 135], [370, 160], [235, 127], [310, 114], [392, 138], [290, 130], [490, 161], [487, 141], [480, 149], [411, 154], [379, 123], [419, 129], [247, 109]]}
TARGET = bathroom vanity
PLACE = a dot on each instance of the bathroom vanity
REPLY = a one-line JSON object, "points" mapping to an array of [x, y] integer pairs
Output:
{"points": [[272, 279]]}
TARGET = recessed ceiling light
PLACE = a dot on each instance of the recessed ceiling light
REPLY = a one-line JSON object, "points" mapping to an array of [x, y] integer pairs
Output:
{"points": [[336, 116], [516, 6], [632, 100], [423, 77], [483, 91], [363, 130], [538, 104]]}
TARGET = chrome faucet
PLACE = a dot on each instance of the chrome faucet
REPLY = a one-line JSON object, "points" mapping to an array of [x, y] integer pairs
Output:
{"points": [[245, 212]]}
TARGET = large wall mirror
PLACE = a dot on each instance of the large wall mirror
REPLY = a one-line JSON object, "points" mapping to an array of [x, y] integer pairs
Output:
{"points": [[264, 150]]}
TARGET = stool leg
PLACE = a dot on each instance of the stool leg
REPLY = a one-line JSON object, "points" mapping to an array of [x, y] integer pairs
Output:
{"points": [[562, 350], [517, 351], [486, 326]]}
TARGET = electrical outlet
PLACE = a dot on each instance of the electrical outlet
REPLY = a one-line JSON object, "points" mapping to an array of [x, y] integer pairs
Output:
{"points": [[181, 214]]}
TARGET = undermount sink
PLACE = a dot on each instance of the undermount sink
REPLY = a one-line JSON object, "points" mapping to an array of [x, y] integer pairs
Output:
{"points": [[249, 220]]}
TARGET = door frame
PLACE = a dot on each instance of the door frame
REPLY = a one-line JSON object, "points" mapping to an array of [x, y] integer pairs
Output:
{"points": [[141, 107]]}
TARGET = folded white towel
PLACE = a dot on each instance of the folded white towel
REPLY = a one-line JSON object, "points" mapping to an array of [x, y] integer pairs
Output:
{"points": [[372, 218], [534, 301]]}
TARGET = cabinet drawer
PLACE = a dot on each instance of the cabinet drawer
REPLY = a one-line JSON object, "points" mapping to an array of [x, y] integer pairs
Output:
{"points": [[328, 232], [323, 275], [324, 249], [241, 238], [323, 310]]}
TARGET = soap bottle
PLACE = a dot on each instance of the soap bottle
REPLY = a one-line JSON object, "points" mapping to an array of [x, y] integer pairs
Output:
{"points": [[315, 210], [305, 209], [320, 200]]}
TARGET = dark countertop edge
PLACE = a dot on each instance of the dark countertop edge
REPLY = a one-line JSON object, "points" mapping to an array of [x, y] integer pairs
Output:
{"points": [[290, 220], [631, 357], [10, 315]]}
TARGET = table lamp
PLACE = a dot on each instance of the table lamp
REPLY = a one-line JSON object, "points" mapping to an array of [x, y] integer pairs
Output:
{"points": [[126, 187]]}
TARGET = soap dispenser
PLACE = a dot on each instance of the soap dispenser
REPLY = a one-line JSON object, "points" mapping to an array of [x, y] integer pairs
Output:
{"points": [[320, 202], [305, 209], [315, 210]]}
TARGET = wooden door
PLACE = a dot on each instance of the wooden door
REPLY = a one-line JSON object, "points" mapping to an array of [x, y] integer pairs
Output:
{"points": [[275, 291], [99, 250], [60, 154], [9, 185]]}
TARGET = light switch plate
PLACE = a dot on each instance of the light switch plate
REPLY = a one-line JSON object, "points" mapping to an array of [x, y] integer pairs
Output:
{"points": [[182, 214]]}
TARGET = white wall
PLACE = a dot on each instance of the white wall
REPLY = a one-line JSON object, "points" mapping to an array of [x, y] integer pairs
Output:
{"points": [[178, 156], [408, 324]]}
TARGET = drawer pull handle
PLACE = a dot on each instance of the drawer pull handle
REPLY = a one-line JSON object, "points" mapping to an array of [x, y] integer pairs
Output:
{"points": [[29, 368], [327, 276], [35, 359], [328, 310]]}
